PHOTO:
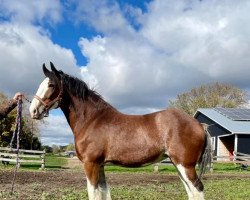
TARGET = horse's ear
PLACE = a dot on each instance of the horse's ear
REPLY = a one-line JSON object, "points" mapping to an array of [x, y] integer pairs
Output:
{"points": [[56, 72], [46, 71]]}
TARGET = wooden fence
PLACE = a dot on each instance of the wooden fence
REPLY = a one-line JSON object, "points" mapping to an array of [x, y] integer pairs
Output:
{"points": [[25, 156], [237, 158]]}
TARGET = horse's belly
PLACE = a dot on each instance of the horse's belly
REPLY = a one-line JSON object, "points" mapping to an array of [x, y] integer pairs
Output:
{"points": [[136, 158]]}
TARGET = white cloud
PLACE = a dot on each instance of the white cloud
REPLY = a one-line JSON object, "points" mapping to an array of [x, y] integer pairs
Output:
{"points": [[180, 44], [56, 130], [105, 16], [25, 45], [24, 50], [34, 11]]}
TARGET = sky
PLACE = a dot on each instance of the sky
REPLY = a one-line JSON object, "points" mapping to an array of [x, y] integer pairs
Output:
{"points": [[137, 54]]}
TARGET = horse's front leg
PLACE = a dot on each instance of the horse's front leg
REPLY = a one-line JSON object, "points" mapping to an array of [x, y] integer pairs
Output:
{"points": [[97, 186]]}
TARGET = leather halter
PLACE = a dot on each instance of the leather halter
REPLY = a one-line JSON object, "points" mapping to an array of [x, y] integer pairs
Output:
{"points": [[47, 106]]}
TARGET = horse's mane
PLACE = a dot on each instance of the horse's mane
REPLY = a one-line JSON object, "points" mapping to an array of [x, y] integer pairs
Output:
{"points": [[80, 89]]}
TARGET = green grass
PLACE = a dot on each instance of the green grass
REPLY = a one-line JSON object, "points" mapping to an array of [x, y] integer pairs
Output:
{"points": [[217, 168], [227, 189], [233, 189], [55, 162], [217, 189], [228, 167], [146, 169]]}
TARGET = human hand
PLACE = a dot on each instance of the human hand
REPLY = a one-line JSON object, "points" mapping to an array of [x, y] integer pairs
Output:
{"points": [[18, 96]]}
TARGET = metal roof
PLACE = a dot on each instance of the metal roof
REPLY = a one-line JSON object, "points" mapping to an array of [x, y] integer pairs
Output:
{"points": [[235, 114], [242, 127]]}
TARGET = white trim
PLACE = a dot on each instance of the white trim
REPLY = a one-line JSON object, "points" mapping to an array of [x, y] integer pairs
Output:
{"points": [[218, 149], [236, 143], [213, 142], [245, 133], [225, 135], [234, 133]]}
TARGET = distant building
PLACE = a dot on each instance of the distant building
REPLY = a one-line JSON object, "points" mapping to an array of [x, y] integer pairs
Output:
{"points": [[229, 129]]}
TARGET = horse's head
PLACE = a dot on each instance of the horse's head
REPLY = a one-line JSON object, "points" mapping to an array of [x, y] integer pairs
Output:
{"points": [[48, 95]]}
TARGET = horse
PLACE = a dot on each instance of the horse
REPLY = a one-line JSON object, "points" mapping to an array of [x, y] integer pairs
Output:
{"points": [[104, 135]]}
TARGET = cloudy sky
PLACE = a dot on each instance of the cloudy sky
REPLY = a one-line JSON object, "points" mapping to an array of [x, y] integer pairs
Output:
{"points": [[137, 54]]}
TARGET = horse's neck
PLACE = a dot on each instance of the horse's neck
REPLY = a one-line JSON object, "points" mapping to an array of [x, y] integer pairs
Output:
{"points": [[79, 112]]}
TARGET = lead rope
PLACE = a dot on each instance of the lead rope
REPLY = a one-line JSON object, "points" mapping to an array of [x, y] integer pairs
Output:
{"points": [[17, 132]]}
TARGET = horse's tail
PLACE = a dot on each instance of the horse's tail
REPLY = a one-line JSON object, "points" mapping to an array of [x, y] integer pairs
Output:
{"points": [[206, 157]]}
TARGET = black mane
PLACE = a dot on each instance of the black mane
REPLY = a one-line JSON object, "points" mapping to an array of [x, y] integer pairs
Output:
{"points": [[78, 87]]}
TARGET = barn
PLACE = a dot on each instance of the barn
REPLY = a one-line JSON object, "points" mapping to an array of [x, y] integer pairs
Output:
{"points": [[229, 129]]}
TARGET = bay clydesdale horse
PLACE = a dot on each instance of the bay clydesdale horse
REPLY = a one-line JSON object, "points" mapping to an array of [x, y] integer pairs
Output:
{"points": [[103, 135]]}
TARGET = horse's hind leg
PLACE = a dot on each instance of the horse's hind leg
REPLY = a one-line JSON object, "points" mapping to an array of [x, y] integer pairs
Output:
{"points": [[96, 182], [192, 183]]}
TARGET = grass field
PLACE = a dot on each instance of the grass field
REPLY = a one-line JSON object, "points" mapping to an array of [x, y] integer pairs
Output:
{"points": [[234, 189], [227, 182]]}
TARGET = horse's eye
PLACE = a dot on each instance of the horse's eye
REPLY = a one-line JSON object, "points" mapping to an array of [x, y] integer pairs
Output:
{"points": [[51, 85]]}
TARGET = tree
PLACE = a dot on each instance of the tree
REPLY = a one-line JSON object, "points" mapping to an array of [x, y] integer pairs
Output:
{"points": [[47, 148], [29, 136], [210, 96], [55, 149], [70, 147]]}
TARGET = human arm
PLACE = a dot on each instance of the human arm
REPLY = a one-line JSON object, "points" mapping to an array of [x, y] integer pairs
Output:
{"points": [[4, 111]]}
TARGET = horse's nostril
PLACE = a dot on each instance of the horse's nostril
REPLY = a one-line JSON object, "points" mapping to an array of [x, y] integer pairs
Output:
{"points": [[35, 111]]}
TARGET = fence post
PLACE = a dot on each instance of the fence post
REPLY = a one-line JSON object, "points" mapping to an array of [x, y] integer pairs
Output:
{"points": [[18, 163], [211, 166], [43, 160], [156, 167]]}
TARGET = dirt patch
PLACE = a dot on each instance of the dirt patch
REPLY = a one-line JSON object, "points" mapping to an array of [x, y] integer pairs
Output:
{"points": [[31, 185]]}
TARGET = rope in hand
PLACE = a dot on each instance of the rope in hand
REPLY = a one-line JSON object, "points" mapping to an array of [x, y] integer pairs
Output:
{"points": [[17, 133], [18, 118]]}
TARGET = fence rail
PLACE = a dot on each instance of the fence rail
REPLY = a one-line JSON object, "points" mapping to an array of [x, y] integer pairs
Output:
{"points": [[7, 155], [237, 158]]}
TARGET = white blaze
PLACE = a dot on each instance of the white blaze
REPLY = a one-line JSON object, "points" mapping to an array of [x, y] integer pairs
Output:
{"points": [[41, 92]]}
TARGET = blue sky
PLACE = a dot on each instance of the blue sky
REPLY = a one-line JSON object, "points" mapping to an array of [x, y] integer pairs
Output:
{"points": [[137, 54], [68, 32]]}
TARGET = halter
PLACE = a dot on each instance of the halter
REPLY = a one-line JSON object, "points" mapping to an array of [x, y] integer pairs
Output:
{"points": [[47, 106]]}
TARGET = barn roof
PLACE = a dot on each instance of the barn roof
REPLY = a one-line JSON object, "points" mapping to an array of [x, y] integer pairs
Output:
{"points": [[233, 126]]}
